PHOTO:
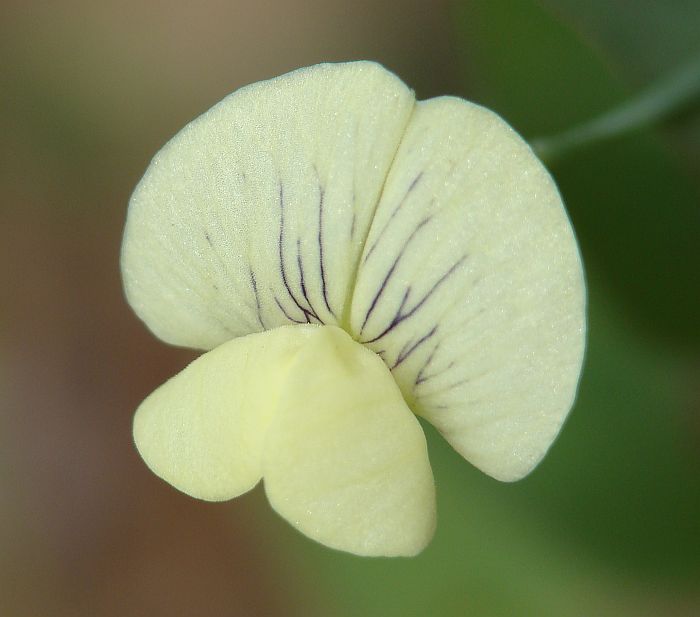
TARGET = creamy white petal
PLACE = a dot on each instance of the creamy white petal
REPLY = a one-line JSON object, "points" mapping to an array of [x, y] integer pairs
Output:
{"points": [[203, 431], [346, 460], [471, 287], [255, 214]]}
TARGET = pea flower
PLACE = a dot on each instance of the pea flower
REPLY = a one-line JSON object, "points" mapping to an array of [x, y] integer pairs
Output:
{"points": [[352, 258]]}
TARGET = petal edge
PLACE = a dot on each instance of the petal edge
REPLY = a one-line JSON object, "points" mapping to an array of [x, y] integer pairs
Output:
{"points": [[346, 461]]}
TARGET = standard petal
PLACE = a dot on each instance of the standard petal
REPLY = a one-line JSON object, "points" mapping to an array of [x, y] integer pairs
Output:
{"points": [[255, 214], [203, 430], [471, 287], [346, 460]]}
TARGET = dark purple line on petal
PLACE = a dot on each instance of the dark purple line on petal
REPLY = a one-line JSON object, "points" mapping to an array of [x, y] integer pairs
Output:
{"points": [[390, 273], [432, 290], [421, 377], [287, 315], [281, 258], [302, 283], [254, 283], [352, 225], [437, 284], [403, 354], [397, 314], [404, 299], [406, 345], [393, 214], [400, 317], [324, 288], [456, 384]]}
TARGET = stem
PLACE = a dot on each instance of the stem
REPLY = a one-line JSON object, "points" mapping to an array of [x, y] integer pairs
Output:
{"points": [[660, 100]]}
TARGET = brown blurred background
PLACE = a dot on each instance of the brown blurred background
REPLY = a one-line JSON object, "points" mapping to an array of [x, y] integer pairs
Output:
{"points": [[88, 92]]}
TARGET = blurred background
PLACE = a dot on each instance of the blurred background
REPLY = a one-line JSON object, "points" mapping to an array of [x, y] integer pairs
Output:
{"points": [[609, 524]]}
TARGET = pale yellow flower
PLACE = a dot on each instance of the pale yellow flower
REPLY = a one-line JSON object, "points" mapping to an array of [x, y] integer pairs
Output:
{"points": [[352, 258]]}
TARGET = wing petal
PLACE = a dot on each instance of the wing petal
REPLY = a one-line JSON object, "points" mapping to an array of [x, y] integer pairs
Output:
{"points": [[471, 287]]}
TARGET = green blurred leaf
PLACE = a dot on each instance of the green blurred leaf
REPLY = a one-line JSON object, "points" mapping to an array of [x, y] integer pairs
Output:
{"points": [[624, 476], [646, 40], [644, 37], [636, 213]]}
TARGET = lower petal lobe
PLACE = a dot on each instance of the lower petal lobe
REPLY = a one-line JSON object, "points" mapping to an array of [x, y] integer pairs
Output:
{"points": [[346, 460], [203, 430]]}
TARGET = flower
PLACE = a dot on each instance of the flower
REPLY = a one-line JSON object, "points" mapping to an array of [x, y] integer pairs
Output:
{"points": [[352, 258]]}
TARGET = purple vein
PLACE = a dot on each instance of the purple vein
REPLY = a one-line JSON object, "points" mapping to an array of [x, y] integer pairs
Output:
{"points": [[420, 376], [324, 288], [400, 317], [254, 283], [405, 353], [391, 271], [281, 258], [393, 214], [310, 312], [287, 315]]}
